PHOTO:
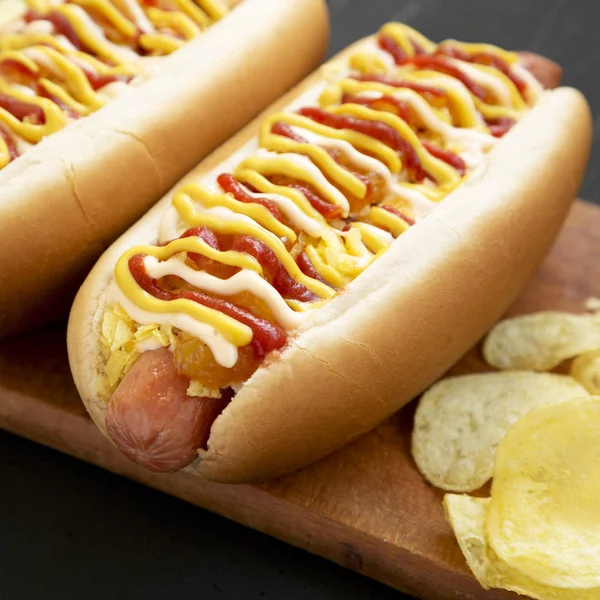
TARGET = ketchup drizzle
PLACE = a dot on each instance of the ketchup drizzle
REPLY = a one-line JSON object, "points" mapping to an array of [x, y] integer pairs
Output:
{"points": [[275, 272], [399, 83], [402, 109], [485, 58], [376, 129], [398, 213], [230, 185], [454, 160], [22, 110], [10, 144], [308, 268], [266, 336], [61, 25]]}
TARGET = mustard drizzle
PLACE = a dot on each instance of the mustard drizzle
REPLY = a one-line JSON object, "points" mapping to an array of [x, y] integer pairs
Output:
{"points": [[338, 255]]}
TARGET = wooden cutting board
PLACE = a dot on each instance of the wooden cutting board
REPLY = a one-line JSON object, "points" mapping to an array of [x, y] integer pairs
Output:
{"points": [[365, 507]]}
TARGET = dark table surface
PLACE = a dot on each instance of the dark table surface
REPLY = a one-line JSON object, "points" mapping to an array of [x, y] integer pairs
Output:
{"points": [[69, 530]]}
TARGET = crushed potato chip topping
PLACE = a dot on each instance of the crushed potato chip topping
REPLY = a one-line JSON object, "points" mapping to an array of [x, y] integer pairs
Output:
{"points": [[195, 388], [123, 340], [461, 420]]}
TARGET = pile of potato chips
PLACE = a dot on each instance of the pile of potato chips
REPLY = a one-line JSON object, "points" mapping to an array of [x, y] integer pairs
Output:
{"points": [[537, 434]]}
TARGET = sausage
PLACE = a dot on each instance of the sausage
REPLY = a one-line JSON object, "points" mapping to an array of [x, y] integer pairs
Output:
{"points": [[546, 71], [153, 421]]}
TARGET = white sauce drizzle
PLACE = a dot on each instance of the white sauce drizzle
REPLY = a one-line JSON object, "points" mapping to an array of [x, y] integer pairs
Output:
{"points": [[294, 214], [372, 47], [225, 353], [419, 202], [427, 115], [356, 156], [484, 79], [41, 26], [226, 214], [445, 81], [245, 280], [304, 163], [97, 34], [534, 87], [27, 91], [41, 59], [137, 14]]}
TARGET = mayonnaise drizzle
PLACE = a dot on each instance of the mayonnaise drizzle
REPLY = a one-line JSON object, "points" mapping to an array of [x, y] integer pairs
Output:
{"points": [[420, 203], [304, 163], [534, 87], [23, 89], [295, 214], [485, 80], [97, 34], [357, 158], [225, 353], [458, 88], [42, 59], [243, 281], [138, 15], [41, 26], [371, 46], [426, 114]]}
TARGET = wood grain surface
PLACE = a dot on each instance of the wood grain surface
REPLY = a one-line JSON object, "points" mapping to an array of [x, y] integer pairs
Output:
{"points": [[365, 507]]}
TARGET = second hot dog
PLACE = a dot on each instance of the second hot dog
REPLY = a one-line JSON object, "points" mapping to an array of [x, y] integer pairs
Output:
{"points": [[97, 123]]}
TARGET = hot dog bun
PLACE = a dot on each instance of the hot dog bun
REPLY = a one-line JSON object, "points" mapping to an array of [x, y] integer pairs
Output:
{"points": [[400, 324], [65, 200]]}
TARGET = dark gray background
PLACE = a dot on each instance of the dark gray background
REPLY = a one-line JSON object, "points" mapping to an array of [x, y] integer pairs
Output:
{"points": [[69, 530]]}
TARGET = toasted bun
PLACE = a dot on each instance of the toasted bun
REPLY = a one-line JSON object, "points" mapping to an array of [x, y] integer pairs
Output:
{"points": [[401, 323], [67, 199]]}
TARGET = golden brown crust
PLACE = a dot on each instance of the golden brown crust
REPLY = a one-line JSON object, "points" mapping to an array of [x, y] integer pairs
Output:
{"points": [[65, 200], [401, 323]]}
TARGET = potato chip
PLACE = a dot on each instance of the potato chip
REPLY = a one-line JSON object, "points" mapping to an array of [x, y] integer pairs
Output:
{"points": [[460, 421], [544, 514], [586, 369], [541, 341], [467, 516]]}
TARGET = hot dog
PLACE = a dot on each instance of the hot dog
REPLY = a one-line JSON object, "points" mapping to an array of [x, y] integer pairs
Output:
{"points": [[105, 104], [332, 260]]}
